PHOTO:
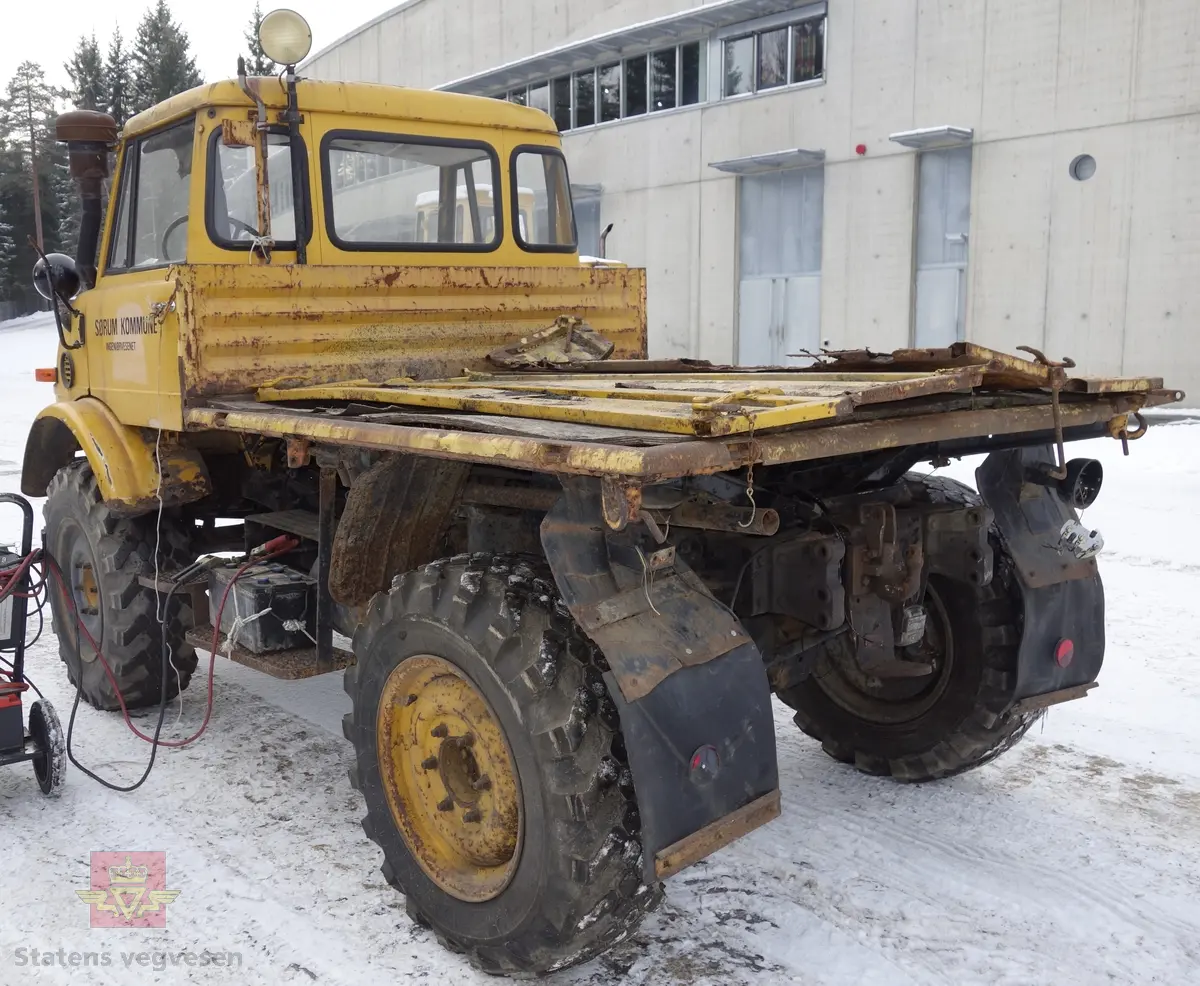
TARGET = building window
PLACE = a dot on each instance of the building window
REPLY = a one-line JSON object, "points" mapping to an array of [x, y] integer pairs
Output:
{"points": [[690, 73], [635, 86], [608, 81], [739, 66], [649, 83], [539, 97], [585, 98], [560, 102], [662, 79], [774, 57], [808, 50]]}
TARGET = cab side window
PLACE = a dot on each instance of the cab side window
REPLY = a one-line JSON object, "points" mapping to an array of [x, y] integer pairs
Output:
{"points": [[542, 210], [151, 219], [232, 206]]}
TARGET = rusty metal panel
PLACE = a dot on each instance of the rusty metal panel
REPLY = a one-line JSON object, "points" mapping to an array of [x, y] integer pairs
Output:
{"points": [[656, 463], [723, 404], [999, 369], [239, 133], [244, 327]]}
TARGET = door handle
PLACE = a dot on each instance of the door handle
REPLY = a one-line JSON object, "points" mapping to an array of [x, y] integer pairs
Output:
{"points": [[959, 239]]}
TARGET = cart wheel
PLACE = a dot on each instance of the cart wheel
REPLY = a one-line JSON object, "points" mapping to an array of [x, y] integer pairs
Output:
{"points": [[49, 765]]}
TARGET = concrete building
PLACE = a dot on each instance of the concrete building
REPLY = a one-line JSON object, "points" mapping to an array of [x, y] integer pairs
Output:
{"points": [[859, 172]]}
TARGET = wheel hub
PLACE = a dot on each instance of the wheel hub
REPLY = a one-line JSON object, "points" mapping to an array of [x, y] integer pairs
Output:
{"points": [[898, 700], [449, 778], [81, 583]]}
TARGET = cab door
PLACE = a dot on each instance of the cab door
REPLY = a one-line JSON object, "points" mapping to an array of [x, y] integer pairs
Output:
{"points": [[130, 329]]}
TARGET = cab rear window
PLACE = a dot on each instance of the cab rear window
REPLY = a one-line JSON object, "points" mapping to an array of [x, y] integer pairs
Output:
{"points": [[395, 192]]}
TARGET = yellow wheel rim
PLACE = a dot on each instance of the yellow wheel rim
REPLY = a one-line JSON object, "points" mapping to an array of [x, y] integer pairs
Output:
{"points": [[449, 778], [89, 589]]}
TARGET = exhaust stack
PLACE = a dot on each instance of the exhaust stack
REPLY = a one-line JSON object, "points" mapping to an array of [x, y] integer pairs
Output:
{"points": [[88, 135]]}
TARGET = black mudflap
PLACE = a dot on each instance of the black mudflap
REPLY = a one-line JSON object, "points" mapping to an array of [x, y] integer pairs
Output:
{"points": [[689, 683], [1063, 596]]}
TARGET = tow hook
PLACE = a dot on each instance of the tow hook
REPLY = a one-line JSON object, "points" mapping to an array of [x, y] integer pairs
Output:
{"points": [[1118, 427]]}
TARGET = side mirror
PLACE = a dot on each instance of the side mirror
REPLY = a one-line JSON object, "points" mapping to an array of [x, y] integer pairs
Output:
{"points": [[56, 277]]}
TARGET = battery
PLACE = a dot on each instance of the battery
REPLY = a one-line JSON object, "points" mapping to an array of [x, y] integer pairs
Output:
{"points": [[285, 598]]}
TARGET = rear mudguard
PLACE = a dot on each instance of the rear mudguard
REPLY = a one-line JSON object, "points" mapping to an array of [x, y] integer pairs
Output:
{"points": [[1063, 597], [688, 682]]}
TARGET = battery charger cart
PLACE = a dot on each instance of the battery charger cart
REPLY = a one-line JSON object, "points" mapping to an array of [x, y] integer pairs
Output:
{"points": [[42, 743]]}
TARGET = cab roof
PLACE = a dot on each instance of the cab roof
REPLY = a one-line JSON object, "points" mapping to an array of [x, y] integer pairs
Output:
{"points": [[351, 99]]}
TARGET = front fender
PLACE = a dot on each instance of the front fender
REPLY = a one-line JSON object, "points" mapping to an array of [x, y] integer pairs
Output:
{"points": [[122, 458]]}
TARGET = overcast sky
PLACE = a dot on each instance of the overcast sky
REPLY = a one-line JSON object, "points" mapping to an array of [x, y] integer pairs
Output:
{"points": [[46, 32]]}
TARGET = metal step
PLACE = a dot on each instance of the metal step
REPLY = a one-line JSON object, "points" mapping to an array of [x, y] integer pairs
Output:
{"points": [[287, 664]]}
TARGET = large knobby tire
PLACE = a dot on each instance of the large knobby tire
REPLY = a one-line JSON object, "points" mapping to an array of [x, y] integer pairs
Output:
{"points": [[944, 725], [101, 556], [562, 880]]}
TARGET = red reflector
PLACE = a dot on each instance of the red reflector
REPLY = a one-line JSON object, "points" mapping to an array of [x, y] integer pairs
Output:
{"points": [[1064, 652], [46, 374]]}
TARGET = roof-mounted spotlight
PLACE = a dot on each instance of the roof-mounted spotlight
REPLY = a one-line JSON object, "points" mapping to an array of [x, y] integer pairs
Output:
{"points": [[285, 36]]}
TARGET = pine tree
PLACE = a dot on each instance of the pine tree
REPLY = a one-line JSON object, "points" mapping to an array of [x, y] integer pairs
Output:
{"points": [[86, 71], [66, 209], [162, 61], [257, 62], [118, 85], [26, 131], [8, 259]]}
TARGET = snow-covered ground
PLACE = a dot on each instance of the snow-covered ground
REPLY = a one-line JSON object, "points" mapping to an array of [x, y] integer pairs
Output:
{"points": [[1075, 859]]}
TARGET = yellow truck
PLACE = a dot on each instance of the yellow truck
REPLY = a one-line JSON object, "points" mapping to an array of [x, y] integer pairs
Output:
{"points": [[574, 577]]}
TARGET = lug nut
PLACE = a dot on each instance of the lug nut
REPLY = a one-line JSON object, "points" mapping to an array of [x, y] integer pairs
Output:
{"points": [[429, 763], [440, 731], [484, 783], [446, 803], [472, 815]]}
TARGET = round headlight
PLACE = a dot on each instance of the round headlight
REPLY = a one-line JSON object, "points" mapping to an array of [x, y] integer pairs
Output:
{"points": [[285, 36]]}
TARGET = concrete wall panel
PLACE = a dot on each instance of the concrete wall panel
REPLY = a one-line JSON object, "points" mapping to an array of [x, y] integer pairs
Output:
{"points": [[718, 271], [878, 252], [1009, 250], [1089, 250], [885, 43], [1096, 48], [949, 63], [1020, 68], [1167, 74], [1163, 310]]}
